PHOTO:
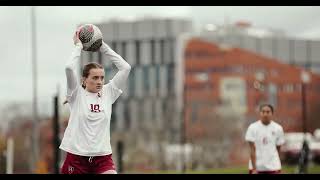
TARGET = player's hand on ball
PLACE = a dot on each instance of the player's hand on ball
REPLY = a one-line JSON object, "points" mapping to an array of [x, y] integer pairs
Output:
{"points": [[103, 44], [76, 39]]}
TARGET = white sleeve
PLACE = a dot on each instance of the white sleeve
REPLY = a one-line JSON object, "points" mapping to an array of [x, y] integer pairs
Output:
{"points": [[280, 138], [71, 72], [112, 91], [250, 134], [120, 79]]}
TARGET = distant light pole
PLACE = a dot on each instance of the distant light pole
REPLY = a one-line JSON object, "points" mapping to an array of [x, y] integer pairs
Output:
{"points": [[56, 131], [183, 129], [303, 161], [35, 131]]}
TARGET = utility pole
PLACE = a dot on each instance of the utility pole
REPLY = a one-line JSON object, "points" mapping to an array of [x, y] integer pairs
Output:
{"points": [[183, 130], [35, 135], [56, 130], [303, 160]]}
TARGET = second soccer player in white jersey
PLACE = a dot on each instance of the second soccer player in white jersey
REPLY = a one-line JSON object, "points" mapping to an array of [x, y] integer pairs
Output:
{"points": [[265, 138]]}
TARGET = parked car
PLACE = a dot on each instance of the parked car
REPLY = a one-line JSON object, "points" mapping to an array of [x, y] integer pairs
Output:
{"points": [[290, 151], [315, 147]]}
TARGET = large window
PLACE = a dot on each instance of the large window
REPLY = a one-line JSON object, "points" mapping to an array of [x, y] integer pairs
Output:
{"points": [[132, 82], [138, 47], [153, 51], [289, 88], [157, 78], [127, 119], [124, 50], [170, 78], [172, 50], [273, 94], [162, 55], [146, 79]]}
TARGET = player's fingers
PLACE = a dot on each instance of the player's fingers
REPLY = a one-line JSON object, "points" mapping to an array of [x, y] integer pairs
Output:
{"points": [[77, 33]]}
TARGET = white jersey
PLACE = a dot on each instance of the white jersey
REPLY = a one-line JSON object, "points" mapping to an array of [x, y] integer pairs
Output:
{"points": [[266, 138], [88, 130]]}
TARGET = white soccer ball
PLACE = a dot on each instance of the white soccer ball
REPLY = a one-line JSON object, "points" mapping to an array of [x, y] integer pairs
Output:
{"points": [[91, 37]]}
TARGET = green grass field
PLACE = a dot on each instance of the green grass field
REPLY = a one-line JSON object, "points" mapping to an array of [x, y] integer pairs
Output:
{"points": [[312, 169]]}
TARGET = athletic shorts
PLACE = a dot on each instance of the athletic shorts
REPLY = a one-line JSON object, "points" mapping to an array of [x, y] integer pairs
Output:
{"points": [[76, 164]]}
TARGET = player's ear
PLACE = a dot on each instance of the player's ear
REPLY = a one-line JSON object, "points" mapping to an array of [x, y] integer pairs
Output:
{"points": [[83, 81]]}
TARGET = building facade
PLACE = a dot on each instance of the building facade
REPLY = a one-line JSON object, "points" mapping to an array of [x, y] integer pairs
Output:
{"points": [[271, 43], [221, 96]]}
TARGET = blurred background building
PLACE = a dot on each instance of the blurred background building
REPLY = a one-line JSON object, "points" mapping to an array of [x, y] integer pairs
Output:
{"points": [[268, 42], [221, 100]]}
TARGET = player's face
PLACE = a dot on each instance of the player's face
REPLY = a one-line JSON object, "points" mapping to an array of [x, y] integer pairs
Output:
{"points": [[95, 80], [266, 114]]}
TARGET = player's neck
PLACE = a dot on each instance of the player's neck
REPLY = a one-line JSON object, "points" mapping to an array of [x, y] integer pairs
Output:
{"points": [[266, 123]]}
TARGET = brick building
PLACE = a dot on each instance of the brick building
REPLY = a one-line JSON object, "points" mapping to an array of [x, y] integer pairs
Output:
{"points": [[217, 76]]}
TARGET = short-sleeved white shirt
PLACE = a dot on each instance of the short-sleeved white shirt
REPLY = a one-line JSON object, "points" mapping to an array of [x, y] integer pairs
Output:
{"points": [[266, 138]]}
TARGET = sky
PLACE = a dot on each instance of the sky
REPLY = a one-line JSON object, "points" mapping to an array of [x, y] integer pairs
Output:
{"points": [[55, 27]]}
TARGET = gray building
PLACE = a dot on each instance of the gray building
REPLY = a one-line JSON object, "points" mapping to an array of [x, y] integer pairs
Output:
{"points": [[270, 43]]}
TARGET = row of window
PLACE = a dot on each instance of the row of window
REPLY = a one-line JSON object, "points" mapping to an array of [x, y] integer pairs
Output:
{"points": [[291, 51], [288, 88], [270, 88], [152, 80], [240, 69], [135, 114], [141, 52]]}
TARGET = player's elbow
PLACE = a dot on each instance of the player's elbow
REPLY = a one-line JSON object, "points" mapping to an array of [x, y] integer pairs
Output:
{"points": [[68, 70], [68, 67], [128, 67]]}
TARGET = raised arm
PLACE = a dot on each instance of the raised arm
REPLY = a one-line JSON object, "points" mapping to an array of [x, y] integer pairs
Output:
{"points": [[119, 80], [72, 66]]}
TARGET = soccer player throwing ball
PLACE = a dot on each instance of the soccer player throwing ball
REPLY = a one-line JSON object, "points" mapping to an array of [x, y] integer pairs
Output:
{"points": [[87, 136], [265, 138]]}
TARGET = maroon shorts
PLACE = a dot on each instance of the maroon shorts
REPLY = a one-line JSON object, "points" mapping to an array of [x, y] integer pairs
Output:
{"points": [[266, 172], [75, 164]]}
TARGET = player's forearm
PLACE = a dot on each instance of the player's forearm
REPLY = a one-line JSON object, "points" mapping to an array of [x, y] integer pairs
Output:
{"points": [[124, 68], [71, 67], [253, 155], [253, 159], [115, 58], [74, 58]]}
